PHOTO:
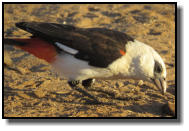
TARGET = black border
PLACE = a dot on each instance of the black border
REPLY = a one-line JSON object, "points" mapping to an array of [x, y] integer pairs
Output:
{"points": [[177, 116]]}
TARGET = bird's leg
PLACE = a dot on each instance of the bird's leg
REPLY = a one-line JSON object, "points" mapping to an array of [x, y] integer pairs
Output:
{"points": [[88, 83], [73, 83]]}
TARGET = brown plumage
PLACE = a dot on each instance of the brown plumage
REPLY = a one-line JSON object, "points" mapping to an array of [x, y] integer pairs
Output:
{"points": [[99, 46]]}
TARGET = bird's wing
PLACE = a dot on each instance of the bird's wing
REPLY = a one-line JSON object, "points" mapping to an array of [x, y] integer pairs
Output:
{"points": [[99, 46]]}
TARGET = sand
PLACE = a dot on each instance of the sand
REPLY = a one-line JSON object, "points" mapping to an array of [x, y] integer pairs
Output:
{"points": [[33, 89]]}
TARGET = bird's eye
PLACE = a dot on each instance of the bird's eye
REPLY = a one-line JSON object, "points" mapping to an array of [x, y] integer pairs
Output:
{"points": [[158, 67]]}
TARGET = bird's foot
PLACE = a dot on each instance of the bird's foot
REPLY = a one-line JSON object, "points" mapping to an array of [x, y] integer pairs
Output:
{"points": [[88, 83], [73, 83]]}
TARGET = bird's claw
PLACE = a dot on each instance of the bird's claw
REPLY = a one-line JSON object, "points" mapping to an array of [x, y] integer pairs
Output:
{"points": [[88, 83], [73, 83]]}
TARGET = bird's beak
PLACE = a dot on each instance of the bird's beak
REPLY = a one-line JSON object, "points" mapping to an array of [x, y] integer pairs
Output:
{"points": [[161, 84]]}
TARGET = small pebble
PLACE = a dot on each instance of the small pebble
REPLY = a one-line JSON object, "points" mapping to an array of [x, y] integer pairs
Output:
{"points": [[140, 83]]}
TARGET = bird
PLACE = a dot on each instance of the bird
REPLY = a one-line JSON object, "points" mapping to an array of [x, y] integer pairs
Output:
{"points": [[83, 55]]}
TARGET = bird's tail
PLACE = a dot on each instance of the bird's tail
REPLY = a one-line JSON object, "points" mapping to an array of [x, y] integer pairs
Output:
{"points": [[36, 46]]}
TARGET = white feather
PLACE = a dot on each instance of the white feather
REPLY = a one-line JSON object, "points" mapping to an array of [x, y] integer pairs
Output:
{"points": [[75, 69], [138, 62], [66, 48]]}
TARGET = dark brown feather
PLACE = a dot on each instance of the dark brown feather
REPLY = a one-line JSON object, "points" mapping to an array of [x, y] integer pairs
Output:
{"points": [[99, 46]]}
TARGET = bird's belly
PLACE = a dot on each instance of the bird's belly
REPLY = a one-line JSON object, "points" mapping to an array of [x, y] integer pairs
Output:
{"points": [[72, 68], [75, 69]]}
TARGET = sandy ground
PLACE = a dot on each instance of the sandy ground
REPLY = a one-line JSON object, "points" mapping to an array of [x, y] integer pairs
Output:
{"points": [[33, 89]]}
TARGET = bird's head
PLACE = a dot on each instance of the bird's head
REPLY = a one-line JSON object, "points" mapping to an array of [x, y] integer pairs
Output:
{"points": [[146, 64], [159, 74]]}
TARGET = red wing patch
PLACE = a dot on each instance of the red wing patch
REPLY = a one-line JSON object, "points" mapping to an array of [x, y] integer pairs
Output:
{"points": [[39, 48], [122, 52]]}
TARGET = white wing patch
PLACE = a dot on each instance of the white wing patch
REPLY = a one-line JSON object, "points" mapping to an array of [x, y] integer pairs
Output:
{"points": [[66, 48]]}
